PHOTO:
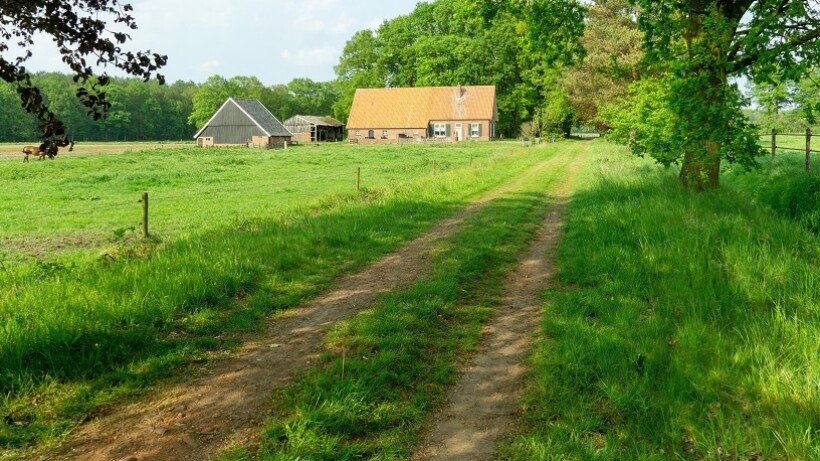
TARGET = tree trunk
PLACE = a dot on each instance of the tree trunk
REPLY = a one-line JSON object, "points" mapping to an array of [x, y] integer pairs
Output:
{"points": [[701, 171], [705, 100]]}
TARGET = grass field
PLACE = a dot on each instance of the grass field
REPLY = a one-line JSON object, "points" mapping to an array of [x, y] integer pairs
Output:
{"points": [[242, 233], [682, 326], [685, 326], [84, 203]]}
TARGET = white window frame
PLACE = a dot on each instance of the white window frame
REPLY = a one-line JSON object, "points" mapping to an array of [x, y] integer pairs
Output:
{"points": [[474, 130], [440, 130], [358, 133], [415, 132], [384, 134]]}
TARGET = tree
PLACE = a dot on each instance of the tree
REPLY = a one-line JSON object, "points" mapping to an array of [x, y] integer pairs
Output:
{"points": [[467, 42], [87, 33], [701, 45], [613, 51]]}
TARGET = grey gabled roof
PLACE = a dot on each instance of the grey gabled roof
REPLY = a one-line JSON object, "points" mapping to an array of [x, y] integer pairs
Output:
{"points": [[259, 114], [314, 120]]}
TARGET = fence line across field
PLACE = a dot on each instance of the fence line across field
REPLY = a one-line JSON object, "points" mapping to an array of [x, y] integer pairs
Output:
{"points": [[137, 205], [808, 150]]}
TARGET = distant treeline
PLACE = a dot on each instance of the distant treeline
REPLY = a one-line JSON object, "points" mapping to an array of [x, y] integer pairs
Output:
{"points": [[148, 111]]}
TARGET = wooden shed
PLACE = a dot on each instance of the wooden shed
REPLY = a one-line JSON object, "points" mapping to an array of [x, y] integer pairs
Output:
{"points": [[242, 122], [309, 128]]}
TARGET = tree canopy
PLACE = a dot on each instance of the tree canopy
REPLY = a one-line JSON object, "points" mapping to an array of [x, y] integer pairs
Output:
{"points": [[87, 33], [694, 51], [508, 44]]}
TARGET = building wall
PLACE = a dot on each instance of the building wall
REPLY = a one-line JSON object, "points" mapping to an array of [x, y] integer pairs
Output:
{"points": [[270, 141], [392, 135], [301, 136], [361, 136], [231, 127]]}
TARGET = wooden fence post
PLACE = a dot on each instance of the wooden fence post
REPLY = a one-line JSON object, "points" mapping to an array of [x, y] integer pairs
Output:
{"points": [[144, 214], [808, 148], [358, 177], [774, 141], [434, 167]]}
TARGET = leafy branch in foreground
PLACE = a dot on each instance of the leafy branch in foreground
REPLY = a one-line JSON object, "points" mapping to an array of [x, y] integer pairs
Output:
{"points": [[80, 30]]}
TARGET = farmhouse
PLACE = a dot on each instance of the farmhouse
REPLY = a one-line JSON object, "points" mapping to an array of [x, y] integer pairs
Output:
{"points": [[243, 122], [450, 114], [308, 128]]}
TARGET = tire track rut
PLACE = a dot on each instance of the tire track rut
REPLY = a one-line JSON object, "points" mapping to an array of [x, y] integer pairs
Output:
{"points": [[482, 407]]}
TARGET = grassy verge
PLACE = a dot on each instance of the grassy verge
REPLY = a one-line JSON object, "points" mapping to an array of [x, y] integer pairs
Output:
{"points": [[77, 337], [684, 326], [387, 368], [784, 185]]}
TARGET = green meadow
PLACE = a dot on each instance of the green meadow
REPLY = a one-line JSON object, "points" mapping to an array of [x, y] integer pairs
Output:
{"points": [[93, 314], [680, 325]]}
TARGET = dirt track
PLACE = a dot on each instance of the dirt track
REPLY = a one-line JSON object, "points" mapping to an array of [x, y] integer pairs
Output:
{"points": [[193, 420], [483, 406]]}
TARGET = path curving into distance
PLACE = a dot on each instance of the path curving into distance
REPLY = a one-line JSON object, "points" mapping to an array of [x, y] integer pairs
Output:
{"points": [[482, 408], [229, 402]]}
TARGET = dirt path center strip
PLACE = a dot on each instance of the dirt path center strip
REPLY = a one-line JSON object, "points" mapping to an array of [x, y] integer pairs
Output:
{"points": [[483, 405]]}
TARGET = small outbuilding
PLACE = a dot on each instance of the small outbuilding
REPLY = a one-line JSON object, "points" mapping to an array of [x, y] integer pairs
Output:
{"points": [[309, 128], [241, 122]]}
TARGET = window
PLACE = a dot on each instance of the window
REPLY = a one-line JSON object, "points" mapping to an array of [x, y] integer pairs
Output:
{"points": [[439, 130], [475, 130], [384, 134], [415, 132], [371, 134], [358, 133]]}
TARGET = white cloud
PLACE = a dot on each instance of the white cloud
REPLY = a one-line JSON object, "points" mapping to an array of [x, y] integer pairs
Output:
{"points": [[313, 56], [209, 66], [375, 23]]}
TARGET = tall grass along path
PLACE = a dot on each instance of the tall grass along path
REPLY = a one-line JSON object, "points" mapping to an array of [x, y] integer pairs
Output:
{"points": [[229, 402], [483, 406]]}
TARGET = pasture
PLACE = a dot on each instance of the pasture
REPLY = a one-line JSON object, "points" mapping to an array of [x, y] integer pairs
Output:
{"points": [[83, 204], [682, 325], [92, 313]]}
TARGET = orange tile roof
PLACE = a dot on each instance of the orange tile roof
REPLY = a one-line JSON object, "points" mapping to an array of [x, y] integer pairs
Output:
{"points": [[416, 107]]}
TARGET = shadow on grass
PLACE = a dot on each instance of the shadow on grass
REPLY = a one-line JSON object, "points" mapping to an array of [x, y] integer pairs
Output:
{"points": [[119, 326], [685, 326]]}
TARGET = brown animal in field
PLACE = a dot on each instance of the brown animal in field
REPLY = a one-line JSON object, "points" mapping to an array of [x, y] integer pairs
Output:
{"points": [[35, 151], [49, 148]]}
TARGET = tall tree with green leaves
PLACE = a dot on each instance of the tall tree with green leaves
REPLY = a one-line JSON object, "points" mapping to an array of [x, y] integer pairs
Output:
{"points": [[701, 46], [613, 51]]}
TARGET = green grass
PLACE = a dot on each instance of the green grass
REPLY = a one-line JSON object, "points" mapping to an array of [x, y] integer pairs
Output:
{"points": [[683, 326], [83, 205], [784, 185], [387, 368], [80, 333]]}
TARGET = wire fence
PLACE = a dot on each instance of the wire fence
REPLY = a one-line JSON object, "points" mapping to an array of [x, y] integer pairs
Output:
{"points": [[134, 213], [776, 145]]}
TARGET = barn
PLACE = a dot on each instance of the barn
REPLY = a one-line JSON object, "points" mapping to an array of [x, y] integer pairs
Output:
{"points": [[309, 128], [241, 122]]}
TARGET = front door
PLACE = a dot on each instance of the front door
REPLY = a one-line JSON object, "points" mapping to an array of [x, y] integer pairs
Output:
{"points": [[458, 132]]}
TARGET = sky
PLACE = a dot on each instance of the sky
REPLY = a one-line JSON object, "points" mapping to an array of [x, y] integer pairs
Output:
{"points": [[273, 40]]}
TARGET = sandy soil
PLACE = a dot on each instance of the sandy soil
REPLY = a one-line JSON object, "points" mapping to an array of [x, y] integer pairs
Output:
{"points": [[482, 408], [194, 419], [14, 151]]}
